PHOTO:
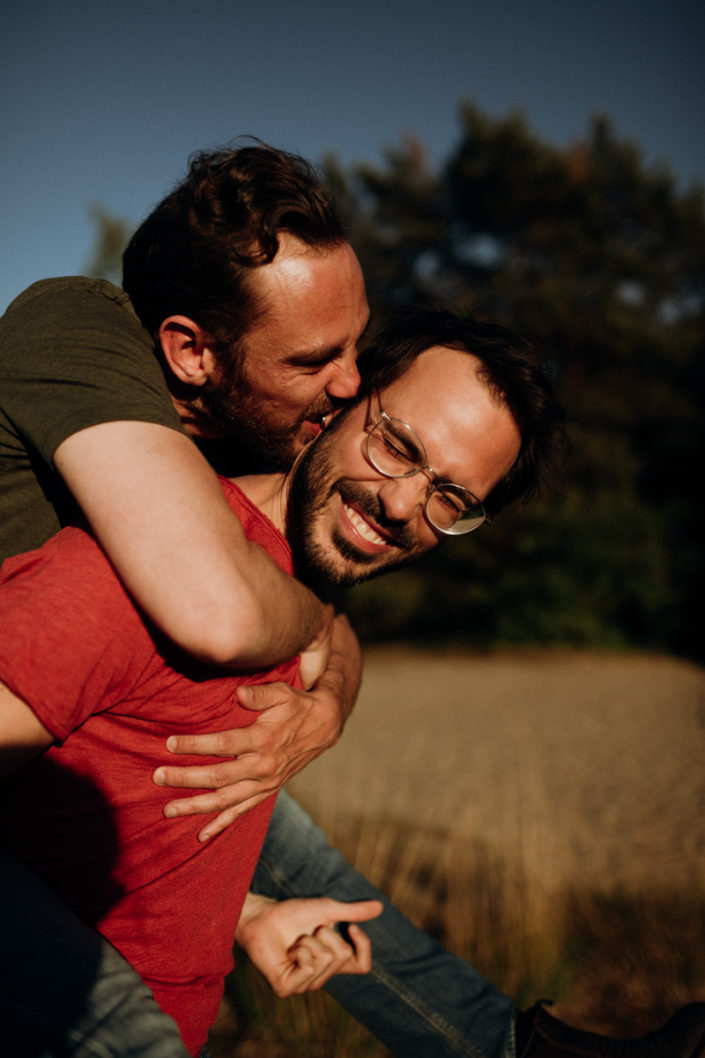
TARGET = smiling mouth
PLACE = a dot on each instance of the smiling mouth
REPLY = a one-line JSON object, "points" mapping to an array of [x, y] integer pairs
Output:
{"points": [[363, 527]]}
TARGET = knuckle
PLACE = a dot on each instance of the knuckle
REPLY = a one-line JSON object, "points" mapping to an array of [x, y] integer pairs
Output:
{"points": [[207, 777], [224, 742], [223, 800], [259, 736], [222, 774], [268, 765]]}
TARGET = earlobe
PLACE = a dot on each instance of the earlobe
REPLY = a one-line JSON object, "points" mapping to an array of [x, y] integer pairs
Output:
{"points": [[186, 349]]}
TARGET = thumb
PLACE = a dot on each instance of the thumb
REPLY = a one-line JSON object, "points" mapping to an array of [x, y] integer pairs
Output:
{"points": [[255, 697], [357, 911]]}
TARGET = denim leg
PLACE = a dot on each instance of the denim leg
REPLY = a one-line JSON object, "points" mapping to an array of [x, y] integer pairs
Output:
{"points": [[64, 991], [420, 1000]]}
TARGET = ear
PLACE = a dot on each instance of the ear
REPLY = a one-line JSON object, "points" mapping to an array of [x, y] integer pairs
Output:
{"points": [[187, 350]]}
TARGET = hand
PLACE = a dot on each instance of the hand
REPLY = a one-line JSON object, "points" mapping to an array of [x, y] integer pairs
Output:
{"points": [[293, 728], [293, 943]]}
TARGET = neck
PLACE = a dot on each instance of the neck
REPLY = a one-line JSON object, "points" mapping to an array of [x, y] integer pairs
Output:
{"points": [[270, 493]]}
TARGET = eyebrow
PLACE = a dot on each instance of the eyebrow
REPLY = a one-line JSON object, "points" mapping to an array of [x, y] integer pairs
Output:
{"points": [[319, 356], [323, 356]]}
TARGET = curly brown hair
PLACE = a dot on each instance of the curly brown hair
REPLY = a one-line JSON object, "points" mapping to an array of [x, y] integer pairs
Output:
{"points": [[196, 252]]}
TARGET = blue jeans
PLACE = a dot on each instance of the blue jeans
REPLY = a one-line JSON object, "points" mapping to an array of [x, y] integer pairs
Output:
{"points": [[420, 1000]]}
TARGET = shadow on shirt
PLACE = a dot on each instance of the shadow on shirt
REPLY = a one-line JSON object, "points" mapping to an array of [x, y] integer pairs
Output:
{"points": [[59, 980]]}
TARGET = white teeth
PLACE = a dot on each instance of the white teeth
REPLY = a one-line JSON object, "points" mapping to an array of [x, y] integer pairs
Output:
{"points": [[363, 528]]}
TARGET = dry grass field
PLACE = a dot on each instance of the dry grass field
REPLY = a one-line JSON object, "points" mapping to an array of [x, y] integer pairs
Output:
{"points": [[543, 813]]}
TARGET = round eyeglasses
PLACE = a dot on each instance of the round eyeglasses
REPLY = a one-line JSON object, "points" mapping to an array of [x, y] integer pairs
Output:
{"points": [[396, 451]]}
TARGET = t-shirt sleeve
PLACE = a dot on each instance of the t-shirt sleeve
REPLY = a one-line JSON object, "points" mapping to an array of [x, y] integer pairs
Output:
{"points": [[72, 643], [73, 354]]}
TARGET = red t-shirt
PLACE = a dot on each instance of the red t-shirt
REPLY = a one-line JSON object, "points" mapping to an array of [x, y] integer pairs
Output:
{"points": [[86, 815]]}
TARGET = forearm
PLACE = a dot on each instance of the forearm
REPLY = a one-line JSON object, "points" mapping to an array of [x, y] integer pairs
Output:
{"points": [[159, 513], [281, 615]]}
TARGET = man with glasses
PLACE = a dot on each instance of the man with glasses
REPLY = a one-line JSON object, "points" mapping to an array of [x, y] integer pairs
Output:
{"points": [[454, 422]]}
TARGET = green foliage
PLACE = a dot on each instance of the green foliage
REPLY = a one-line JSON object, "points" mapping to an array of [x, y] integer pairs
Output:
{"points": [[599, 260]]}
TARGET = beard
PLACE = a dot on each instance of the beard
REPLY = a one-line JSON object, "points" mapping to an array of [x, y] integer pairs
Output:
{"points": [[321, 560], [233, 408]]}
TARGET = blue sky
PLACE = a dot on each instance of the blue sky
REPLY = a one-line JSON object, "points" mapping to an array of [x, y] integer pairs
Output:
{"points": [[104, 103]]}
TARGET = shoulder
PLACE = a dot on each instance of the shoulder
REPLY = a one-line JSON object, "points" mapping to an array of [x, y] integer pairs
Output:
{"points": [[51, 308], [64, 290], [257, 525]]}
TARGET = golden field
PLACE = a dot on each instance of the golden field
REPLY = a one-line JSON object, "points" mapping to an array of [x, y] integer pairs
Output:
{"points": [[543, 813]]}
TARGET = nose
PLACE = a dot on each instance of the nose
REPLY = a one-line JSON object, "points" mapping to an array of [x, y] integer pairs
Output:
{"points": [[403, 498], [345, 377]]}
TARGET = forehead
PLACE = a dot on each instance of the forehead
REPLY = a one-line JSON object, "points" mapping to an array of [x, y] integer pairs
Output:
{"points": [[441, 382], [306, 293], [470, 436]]}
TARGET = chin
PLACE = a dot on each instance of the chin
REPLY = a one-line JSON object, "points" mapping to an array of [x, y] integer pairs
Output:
{"points": [[347, 573], [322, 567]]}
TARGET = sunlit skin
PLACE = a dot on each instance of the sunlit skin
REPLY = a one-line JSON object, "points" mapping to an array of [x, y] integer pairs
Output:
{"points": [[348, 522], [300, 356]]}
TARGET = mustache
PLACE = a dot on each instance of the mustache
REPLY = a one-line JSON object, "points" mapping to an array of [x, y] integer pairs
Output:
{"points": [[323, 405], [356, 496]]}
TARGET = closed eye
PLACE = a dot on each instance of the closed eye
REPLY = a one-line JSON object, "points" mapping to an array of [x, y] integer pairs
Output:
{"points": [[450, 501], [395, 450], [401, 448], [313, 363]]}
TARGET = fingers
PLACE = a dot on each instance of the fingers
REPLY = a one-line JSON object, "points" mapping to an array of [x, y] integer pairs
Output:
{"points": [[324, 910], [263, 696], [206, 776], [316, 958], [358, 911], [227, 797], [216, 744], [267, 767], [360, 944], [228, 816]]}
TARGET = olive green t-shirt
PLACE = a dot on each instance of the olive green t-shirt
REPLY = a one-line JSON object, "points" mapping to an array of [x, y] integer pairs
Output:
{"points": [[72, 354]]}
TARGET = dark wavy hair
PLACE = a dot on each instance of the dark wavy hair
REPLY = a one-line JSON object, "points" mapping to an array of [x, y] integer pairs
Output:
{"points": [[196, 252], [512, 370]]}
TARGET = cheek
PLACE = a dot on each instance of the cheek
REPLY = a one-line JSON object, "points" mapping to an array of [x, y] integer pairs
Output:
{"points": [[272, 385], [296, 399], [426, 539]]}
